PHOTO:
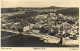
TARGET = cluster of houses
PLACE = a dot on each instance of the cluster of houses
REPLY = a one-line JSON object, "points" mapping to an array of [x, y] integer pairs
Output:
{"points": [[46, 23]]}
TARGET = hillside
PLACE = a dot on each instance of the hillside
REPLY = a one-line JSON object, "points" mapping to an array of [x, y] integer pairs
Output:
{"points": [[10, 10], [69, 11]]}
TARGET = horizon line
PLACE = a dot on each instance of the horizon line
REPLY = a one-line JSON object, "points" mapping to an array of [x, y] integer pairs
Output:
{"points": [[40, 7]]}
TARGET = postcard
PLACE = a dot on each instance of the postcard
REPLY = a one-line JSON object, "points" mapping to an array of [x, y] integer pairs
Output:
{"points": [[43, 25]]}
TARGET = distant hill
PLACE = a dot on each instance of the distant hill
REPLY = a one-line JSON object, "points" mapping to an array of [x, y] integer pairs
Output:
{"points": [[69, 11], [10, 10], [51, 7], [61, 10]]}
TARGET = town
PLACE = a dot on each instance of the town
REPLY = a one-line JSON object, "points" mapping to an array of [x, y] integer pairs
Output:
{"points": [[47, 24]]}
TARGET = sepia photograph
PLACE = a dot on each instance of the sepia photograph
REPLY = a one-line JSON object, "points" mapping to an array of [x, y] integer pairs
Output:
{"points": [[39, 23]]}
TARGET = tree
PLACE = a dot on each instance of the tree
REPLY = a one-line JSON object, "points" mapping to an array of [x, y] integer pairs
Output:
{"points": [[20, 29], [61, 35]]}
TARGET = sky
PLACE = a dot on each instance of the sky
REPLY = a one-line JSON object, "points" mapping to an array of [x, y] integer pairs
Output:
{"points": [[39, 3]]}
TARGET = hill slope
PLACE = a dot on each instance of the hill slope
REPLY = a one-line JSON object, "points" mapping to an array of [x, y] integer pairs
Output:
{"points": [[69, 11]]}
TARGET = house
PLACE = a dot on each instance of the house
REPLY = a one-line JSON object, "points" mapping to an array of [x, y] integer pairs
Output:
{"points": [[52, 15], [37, 26], [35, 31], [26, 28]]}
